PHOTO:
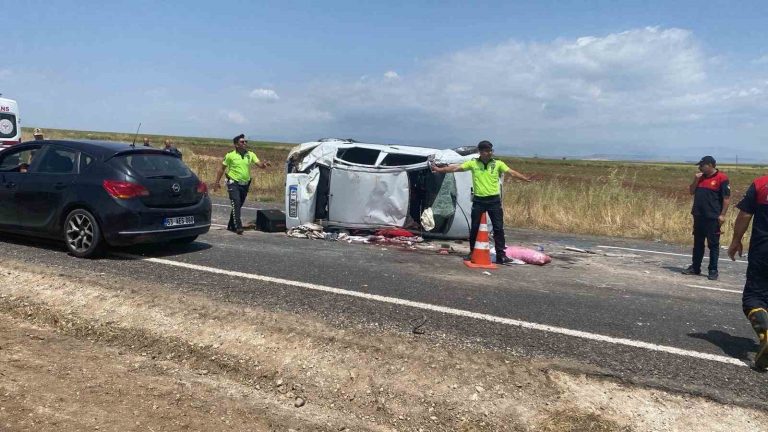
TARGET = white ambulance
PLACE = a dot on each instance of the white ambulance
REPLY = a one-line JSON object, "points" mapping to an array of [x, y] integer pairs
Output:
{"points": [[10, 125]]}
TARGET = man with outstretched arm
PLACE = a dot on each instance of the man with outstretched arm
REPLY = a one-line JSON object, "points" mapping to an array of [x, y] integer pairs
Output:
{"points": [[486, 173], [237, 165], [754, 301]]}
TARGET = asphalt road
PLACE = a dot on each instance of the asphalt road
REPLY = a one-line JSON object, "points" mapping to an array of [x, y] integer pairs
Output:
{"points": [[629, 315]]}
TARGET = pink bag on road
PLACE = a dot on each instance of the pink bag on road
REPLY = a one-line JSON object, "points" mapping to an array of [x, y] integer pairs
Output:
{"points": [[528, 256]]}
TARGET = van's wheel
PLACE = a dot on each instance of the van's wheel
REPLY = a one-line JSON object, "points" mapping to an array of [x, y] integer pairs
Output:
{"points": [[82, 234], [184, 240]]}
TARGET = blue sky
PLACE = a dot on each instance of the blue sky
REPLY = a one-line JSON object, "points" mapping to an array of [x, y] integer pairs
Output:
{"points": [[574, 78]]}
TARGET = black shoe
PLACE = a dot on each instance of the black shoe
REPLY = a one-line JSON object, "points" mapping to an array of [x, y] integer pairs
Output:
{"points": [[468, 257], [503, 260], [239, 231], [713, 275], [690, 271], [759, 320]]}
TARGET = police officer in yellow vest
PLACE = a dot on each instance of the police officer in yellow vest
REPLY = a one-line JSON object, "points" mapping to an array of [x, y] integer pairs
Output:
{"points": [[237, 164], [486, 172]]}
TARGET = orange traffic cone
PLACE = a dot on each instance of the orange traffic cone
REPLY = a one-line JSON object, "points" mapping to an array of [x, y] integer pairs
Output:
{"points": [[481, 255]]}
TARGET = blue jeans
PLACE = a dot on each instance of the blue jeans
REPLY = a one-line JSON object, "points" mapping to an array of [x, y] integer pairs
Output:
{"points": [[496, 215], [237, 195]]}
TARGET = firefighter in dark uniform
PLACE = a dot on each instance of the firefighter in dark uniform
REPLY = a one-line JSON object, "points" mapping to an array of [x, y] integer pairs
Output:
{"points": [[711, 192], [237, 165], [754, 301]]}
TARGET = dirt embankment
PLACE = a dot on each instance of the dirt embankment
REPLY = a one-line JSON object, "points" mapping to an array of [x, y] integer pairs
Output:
{"points": [[82, 353]]}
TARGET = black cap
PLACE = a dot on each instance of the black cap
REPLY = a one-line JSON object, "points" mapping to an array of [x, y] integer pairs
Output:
{"points": [[707, 160], [485, 145]]}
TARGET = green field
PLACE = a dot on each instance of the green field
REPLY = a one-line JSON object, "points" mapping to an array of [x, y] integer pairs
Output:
{"points": [[627, 199], [156, 140]]}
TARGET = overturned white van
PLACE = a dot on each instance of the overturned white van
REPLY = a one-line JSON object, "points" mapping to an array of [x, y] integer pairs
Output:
{"points": [[344, 184]]}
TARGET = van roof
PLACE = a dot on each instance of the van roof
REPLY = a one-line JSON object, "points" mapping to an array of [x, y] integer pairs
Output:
{"points": [[9, 102]]}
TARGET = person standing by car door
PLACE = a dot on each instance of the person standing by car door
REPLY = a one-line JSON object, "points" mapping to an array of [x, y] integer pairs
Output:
{"points": [[711, 192], [486, 173], [237, 165]]}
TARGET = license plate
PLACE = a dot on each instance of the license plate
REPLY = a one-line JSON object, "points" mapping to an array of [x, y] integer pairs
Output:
{"points": [[293, 201], [178, 221]]}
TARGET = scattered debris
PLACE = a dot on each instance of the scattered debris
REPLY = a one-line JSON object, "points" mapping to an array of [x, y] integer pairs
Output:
{"points": [[417, 324], [308, 230], [575, 249], [527, 256]]}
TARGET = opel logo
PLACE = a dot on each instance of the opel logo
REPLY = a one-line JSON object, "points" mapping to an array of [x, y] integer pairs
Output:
{"points": [[176, 188]]}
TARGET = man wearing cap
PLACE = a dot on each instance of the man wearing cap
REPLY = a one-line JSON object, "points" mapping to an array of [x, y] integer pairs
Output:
{"points": [[38, 134], [711, 192], [486, 173], [237, 164], [754, 300]]}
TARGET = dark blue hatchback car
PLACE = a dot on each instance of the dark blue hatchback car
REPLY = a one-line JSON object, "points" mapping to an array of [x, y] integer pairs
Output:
{"points": [[92, 194]]}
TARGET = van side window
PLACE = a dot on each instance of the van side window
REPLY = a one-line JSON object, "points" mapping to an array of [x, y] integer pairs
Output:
{"points": [[358, 155]]}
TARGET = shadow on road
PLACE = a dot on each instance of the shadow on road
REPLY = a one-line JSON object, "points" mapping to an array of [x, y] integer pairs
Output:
{"points": [[734, 346], [162, 250], [155, 250], [42, 243], [676, 269]]}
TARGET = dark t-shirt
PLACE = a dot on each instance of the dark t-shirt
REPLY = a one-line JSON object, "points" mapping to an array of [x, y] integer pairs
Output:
{"points": [[173, 150], [709, 195], [755, 202]]}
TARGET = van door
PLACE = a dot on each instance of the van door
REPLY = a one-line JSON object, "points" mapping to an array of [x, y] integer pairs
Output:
{"points": [[363, 197]]}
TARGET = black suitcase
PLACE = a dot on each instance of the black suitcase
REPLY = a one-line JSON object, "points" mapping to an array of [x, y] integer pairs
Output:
{"points": [[270, 220]]}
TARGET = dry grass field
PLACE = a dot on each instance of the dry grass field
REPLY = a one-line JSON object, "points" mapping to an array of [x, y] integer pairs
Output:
{"points": [[626, 199]]}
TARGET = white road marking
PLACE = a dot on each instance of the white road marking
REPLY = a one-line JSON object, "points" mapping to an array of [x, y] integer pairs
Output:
{"points": [[228, 206], [451, 311], [657, 252], [714, 289], [218, 225]]}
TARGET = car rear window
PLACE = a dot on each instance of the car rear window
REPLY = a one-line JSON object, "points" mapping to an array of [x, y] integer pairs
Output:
{"points": [[156, 165], [7, 125]]}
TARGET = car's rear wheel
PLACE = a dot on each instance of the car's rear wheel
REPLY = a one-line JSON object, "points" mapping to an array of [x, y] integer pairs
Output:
{"points": [[82, 234]]}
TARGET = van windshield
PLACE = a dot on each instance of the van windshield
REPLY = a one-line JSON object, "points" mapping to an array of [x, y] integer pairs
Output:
{"points": [[8, 125]]}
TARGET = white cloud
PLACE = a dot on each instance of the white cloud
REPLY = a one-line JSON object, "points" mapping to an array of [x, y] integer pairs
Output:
{"points": [[235, 117], [645, 87], [761, 60], [391, 75], [264, 94]]}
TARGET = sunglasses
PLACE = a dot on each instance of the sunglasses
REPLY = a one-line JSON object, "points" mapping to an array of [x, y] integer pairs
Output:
{"points": [[243, 142]]}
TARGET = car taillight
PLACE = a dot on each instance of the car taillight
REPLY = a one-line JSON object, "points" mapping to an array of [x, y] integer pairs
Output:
{"points": [[202, 188], [125, 190]]}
